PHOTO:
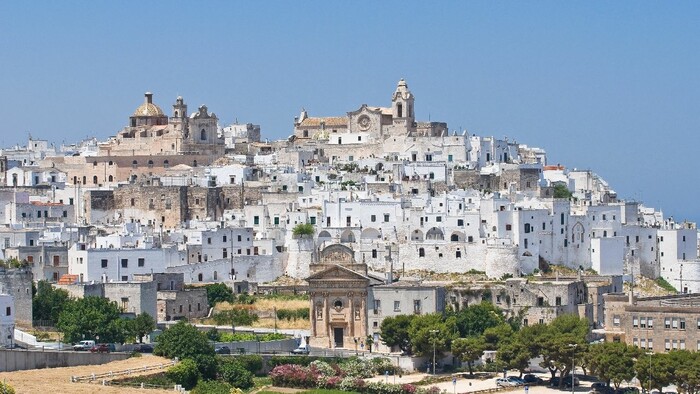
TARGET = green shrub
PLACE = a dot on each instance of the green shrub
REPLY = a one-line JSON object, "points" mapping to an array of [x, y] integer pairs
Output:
{"points": [[239, 317], [293, 314], [218, 292], [252, 363], [185, 373], [295, 360], [6, 388], [271, 336], [236, 375], [212, 387], [303, 229], [214, 335]]}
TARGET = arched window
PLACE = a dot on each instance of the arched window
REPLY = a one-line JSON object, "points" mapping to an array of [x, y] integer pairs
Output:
{"points": [[94, 180], [150, 164], [134, 163], [203, 135], [176, 114], [111, 178], [166, 164], [194, 163]]}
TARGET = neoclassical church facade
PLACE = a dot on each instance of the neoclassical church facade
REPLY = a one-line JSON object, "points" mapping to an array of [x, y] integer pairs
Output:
{"points": [[338, 288]]}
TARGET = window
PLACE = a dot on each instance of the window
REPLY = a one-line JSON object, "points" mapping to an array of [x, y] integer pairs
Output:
{"points": [[224, 253], [540, 301], [416, 307], [373, 218], [141, 262], [386, 217], [527, 228], [374, 253], [203, 135], [8, 311], [642, 322], [616, 320], [458, 254], [208, 240], [460, 222], [650, 322], [104, 263], [421, 252], [682, 324], [256, 220], [508, 227], [558, 301], [667, 323], [125, 263], [674, 323], [338, 304], [125, 278], [397, 306], [377, 306]]}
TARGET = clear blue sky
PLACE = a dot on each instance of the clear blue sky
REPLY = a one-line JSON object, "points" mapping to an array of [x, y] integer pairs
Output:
{"points": [[610, 86]]}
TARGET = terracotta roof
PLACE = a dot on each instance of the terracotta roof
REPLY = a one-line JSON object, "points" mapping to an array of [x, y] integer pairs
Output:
{"points": [[331, 121], [68, 279]]}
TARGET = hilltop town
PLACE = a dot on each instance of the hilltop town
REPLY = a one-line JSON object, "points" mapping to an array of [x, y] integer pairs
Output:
{"points": [[371, 212]]}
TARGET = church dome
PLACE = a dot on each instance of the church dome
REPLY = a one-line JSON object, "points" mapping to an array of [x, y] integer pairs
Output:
{"points": [[148, 108]]}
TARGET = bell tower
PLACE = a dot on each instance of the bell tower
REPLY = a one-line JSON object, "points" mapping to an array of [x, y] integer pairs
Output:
{"points": [[402, 103], [179, 109]]}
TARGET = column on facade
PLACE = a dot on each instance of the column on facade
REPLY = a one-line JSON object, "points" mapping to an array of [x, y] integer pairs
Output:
{"points": [[351, 305]]}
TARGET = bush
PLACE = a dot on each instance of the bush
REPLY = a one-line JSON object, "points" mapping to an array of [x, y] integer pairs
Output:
{"points": [[214, 335], [185, 373], [290, 360], [237, 337], [251, 362], [329, 382], [358, 368], [239, 317], [290, 375], [293, 314], [350, 383], [271, 336], [218, 292], [323, 368], [6, 388], [212, 387], [236, 375]]}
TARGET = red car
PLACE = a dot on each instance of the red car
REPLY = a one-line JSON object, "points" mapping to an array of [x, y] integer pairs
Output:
{"points": [[100, 348]]}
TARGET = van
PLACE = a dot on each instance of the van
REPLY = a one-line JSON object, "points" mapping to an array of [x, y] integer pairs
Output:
{"points": [[83, 345]]}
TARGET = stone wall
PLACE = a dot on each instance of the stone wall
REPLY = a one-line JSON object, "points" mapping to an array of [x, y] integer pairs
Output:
{"points": [[18, 283], [19, 360]]}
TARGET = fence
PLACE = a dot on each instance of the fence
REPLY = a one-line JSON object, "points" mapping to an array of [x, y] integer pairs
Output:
{"points": [[104, 376]]}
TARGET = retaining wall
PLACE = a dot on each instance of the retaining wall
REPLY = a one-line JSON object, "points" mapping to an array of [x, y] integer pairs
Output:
{"points": [[18, 360]]}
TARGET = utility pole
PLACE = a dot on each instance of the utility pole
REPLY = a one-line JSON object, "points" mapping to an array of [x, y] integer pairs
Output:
{"points": [[434, 332]]}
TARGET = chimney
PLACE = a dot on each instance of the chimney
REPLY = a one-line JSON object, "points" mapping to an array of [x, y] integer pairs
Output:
{"points": [[149, 97]]}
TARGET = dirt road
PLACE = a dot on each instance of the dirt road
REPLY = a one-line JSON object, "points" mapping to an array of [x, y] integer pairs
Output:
{"points": [[57, 380]]}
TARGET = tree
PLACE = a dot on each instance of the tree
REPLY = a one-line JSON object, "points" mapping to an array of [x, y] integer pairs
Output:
{"points": [[185, 341], [561, 191], [394, 332], [612, 362], [218, 292], [48, 302], [238, 317], [495, 337], [236, 375], [431, 333], [514, 354], [185, 373], [475, 319], [562, 343], [303, 229], [141, 325], [468, 350], [92, 317], [686, 374], [661, 370]]}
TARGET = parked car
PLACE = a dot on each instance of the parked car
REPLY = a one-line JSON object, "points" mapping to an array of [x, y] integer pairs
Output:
{"points": [[532, 379], [554, 382], [601, 388], [83, 345], [222, 350], [516, 381], [627, 390], [301, 350], [504, 382], [100, 348], [143, 348]]}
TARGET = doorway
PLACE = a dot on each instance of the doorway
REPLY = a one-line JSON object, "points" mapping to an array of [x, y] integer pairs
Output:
{"points": [[338, 336]]}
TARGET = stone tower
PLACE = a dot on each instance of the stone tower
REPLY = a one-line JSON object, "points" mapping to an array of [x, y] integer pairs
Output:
{"points": [[402, 103]]}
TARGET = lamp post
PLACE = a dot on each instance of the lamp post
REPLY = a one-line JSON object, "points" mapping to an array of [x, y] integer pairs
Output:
{"points": [[434, 341], [573, 364], [649, 354]]}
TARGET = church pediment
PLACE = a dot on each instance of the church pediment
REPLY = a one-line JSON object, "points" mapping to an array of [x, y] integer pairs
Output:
{"points": [[366, 110], [337, 273]]}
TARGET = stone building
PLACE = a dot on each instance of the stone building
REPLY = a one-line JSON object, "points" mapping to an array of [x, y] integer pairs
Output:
{"points": [[46, 262], [174, 302], [658, 324], [18, 284], [7, 319], [338, 288]]}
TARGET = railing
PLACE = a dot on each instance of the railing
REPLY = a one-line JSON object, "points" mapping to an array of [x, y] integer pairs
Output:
{"points": [[110, 375]]}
